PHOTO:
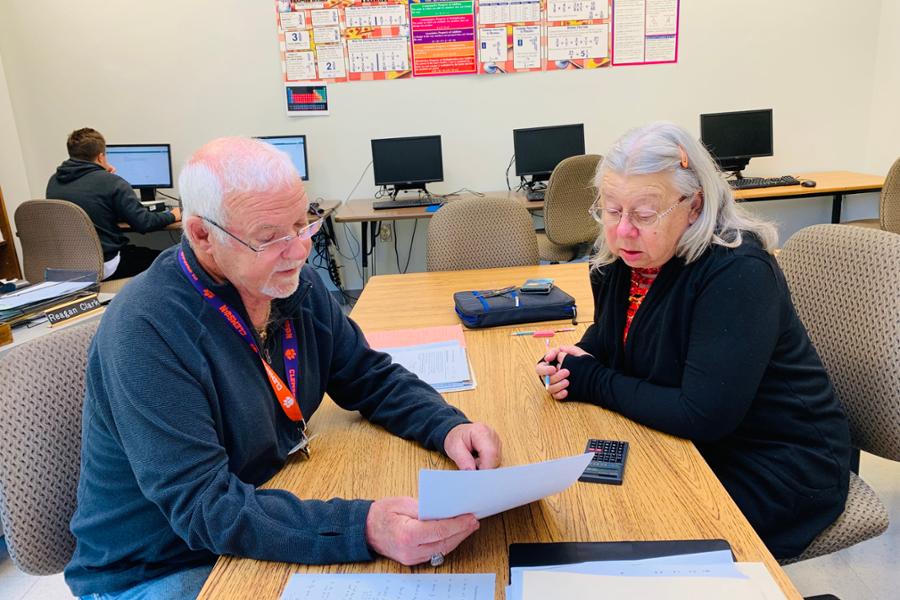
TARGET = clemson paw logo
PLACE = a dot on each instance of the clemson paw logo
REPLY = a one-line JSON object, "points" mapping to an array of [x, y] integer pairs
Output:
{"points": [[288, 402], [290, 354], [208, 294]]}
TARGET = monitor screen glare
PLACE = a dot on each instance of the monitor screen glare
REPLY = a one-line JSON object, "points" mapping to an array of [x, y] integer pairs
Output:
{"points": [[407, 161], [143, 166], [539, 149], [295, 147]]}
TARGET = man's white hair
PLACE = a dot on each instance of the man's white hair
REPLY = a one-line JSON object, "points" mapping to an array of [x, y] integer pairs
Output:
{"points": [[227, 166]]}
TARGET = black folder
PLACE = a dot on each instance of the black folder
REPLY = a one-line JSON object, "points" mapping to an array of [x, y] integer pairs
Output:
{"points": [[563, 553]]}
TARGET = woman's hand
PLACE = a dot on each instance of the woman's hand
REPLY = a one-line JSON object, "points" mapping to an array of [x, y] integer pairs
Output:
{"points": [[551, 370]]}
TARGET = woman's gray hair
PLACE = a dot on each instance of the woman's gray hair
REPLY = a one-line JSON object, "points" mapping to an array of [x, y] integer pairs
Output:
{"points": [[657, 148], [227, 166]]}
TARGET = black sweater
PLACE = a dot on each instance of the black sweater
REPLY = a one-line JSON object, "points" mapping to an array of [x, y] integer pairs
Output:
{"points": [[717, 354], [107, 199]]}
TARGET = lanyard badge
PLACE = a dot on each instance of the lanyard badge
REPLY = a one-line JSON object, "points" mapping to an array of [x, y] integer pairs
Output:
{"points": [[286, 394]]}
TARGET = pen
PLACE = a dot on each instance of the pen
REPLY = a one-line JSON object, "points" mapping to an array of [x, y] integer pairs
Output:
{"points": [[542, 333], [547, 377]]}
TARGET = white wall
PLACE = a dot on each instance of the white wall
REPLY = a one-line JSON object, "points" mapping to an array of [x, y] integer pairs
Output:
{"points": [[184, 72], [884, 141], [12, 168]]}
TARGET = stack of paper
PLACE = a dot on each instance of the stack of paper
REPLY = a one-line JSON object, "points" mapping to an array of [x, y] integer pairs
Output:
{"points": [[437, 355], [707, 575], [382, 586], [34, 297]]}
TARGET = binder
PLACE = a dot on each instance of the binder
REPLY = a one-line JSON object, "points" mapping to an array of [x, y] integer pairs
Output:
{"points": [[563, 553]]}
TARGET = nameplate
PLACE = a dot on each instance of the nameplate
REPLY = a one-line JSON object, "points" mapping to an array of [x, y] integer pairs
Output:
{"points": [[73, 310], [5, 334]]}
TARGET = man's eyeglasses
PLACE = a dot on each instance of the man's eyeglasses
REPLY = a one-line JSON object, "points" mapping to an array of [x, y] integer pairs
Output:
{"points": [[306, 232], [641, 219]]}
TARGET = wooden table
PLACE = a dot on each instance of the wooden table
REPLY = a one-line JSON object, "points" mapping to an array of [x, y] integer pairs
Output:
{"points": [[836, 184], [669, 492], [360, 211]]}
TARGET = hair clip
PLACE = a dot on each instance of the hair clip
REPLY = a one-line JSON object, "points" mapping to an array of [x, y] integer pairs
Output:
{"points": [[684, 157]]}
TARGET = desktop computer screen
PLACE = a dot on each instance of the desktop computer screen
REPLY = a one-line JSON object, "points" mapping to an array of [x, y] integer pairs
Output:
{"points": [[539, 149], [144, 166], [407, 162], [733, 138], [295, 147]]}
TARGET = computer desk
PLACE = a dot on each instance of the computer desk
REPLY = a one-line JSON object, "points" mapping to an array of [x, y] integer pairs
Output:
{"points": [[327, 207], [836, 184], [669, 492]]}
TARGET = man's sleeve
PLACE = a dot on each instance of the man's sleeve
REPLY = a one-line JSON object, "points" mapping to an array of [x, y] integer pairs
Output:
{"points": [[384, 393], [162, 413], [131, 211], [734, 329]]}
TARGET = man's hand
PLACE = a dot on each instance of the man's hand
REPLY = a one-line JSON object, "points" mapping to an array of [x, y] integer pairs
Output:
{"points": [[393, 529], [552, 366], [473, 446], [177, 212]]}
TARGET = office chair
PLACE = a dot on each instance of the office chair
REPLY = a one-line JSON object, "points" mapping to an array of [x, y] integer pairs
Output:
{"points": [[844, 286], [59, 234], [481, 233], [40, 456], [888, 206], [568, 227]]}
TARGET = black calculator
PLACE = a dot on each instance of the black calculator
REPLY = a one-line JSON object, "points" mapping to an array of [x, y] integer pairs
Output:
{"points": [[608, 464]]}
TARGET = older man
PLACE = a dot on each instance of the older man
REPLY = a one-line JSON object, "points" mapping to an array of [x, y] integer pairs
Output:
{"points": [[200, 381]]}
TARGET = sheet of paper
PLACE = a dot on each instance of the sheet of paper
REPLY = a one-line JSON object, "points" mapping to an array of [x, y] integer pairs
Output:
{"points": [[40, 292], [445, 494], [702, 564], [413, 337], [363, 586], [539, 585], [437, 363]]}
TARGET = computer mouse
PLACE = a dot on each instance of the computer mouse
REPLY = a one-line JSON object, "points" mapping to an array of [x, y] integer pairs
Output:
{"points": [[808, 183]]}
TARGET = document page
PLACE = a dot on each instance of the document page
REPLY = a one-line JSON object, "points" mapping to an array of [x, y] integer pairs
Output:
{"points": [[444, 494], [364, 586]]}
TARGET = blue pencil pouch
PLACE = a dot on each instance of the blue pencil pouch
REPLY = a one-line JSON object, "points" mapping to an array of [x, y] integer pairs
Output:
{"points": [[486, 308]]}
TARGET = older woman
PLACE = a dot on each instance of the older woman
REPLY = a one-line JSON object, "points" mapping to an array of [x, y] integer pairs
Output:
{"points": [[695, 335]]}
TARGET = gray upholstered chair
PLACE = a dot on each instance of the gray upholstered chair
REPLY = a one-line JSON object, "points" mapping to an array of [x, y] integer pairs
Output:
{"points": [[59, 234], [888, 206], [568, 228], [481, 233], [844, 283], [40, 428]]}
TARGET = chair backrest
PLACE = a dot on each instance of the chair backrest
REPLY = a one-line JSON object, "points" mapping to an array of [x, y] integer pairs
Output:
{"points": [[57, 234], [481, 233], [889, 207], [570, 193], [844, 282], [40, 445]]}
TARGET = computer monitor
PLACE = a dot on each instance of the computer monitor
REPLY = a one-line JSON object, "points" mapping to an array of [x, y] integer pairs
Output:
{"points": [[145, 166], [407, 163], [539, 149], [295, 147], [733, 138]]}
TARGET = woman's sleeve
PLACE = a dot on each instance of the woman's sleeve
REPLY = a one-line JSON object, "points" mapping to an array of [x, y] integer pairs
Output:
{"points": [[734, 329]]}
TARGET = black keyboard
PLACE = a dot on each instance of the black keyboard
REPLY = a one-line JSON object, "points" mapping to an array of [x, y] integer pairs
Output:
{"points": [[535, 194], [386, 204], [762, 182]]}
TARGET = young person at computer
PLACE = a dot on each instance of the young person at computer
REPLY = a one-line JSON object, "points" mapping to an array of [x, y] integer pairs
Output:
{"points": [[88, 180], [695, 335]]}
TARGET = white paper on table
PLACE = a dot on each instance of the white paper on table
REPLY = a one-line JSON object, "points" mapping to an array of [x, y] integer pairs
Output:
{"points": [[365, 586], [717, 563], [40, 292], [437, 363], [539, 585], [444, 494]]}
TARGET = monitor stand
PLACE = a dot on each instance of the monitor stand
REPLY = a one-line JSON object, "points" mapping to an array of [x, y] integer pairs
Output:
{"points": [[392, 191], [535, 184], [148, 194], [734, 167]]}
